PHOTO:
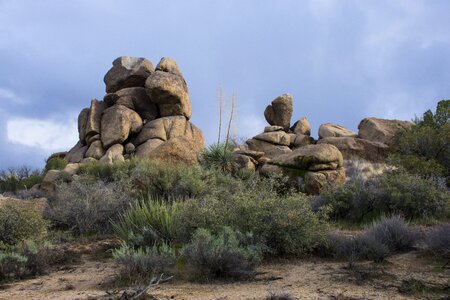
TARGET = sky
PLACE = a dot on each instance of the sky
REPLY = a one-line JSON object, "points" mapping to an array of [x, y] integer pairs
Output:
{"points": [[342, 60]]}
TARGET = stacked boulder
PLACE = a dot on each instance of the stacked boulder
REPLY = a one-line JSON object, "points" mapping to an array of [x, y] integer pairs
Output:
{"points": [[291, 150], [145, 113]]}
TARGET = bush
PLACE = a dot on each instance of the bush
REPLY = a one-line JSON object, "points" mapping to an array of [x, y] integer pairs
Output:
{"points": [[55, 163], [285, 223], [394, 233], [139, 264], [218, 156], [280, 295], [12, 265], [221, 255], [86, 207], [437, 241], [17, 179], [148, 222], [20, 223], [392, 193]]}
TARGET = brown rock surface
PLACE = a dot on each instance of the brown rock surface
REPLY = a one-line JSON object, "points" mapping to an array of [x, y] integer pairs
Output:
{"points": [[117, 123], [279, 113], [351, 147], [382, 130], [334, 130], [127, 71]]}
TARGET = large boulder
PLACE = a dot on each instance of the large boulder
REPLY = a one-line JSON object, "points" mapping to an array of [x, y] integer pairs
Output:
{"points": [[177, 150], [311, 158], [167, 128], [117, 123], [279, 113], [244, 162], [169, 65], [383, 131], [275, 137], [270, 150], [94, 119], [300, 140], [302, 126], [170, 92], [145, 149], [113, 154], [334, 130], [82, 121], [95, 150], [134, 98], [127, 71], [352, 147], [48, 184], [316, 182], [76, 154]]}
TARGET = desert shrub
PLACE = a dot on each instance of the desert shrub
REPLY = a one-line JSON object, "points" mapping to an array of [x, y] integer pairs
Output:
{"points": [[437, 241], [15, 179], [400, 193], [285, 223], [139, 264], [39, 256], [280, 295], [221, 255], [395, 233], [12, 265], [20, 223], [86, 207], [148, 222], [218, 156], [55, 163]]}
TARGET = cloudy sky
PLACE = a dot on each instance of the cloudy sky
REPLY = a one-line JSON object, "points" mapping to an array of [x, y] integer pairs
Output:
{"points": [[341, 60]]}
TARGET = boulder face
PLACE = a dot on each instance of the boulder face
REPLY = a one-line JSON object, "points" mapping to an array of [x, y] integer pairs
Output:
{"points": [[76, 154], [177, 150], [352, 147], [117, 123], [94, 118], [275, 137], [171, 94], [302, 126], [127, 71], [279, 113], [82, 121], [334, 130], [169, 65], [270, 150], [383, 131]]}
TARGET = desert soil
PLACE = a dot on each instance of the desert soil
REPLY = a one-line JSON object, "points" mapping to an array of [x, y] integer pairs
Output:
{"points": [[92, 277]]}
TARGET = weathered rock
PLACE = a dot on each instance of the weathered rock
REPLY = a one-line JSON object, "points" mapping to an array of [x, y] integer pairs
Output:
{"points": [[117, 123], [316, 182], [177, 150], [275, 137], [95, 150], [244, 162], [93, 138], [253, 154], [273, 128], [279, 113], [167, 128], [82, 121], [145, 149], [127, 71], [269, 149], [71, 169], [302, 126], [334, 130], [129, 148], [134, 98], [268, 169], [170, 92], [48, 183], [352, 147], [383, 131], [88, 160], [113, 154], [76, 154], [94, 119], [312, 157], [300, 140], [167, 64]]}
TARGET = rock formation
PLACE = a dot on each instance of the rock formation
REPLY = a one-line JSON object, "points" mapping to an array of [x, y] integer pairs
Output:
{"points": [[144, 113]]}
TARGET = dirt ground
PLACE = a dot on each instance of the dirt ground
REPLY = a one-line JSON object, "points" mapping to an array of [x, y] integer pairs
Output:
{"points": [[92, 276]]}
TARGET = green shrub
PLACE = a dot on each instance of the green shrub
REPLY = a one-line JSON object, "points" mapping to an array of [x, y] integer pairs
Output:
{"points": [[20, 223], [285, 223], [221, 255], [280, 295], [148, 222], [55, 163], [12, 265], [437, 241], [218, 156], [410, 196], [86, 207], [140, 264]]}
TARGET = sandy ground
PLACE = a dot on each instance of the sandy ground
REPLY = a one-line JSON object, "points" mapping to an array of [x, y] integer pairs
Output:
{"points": [[305, 279]]}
